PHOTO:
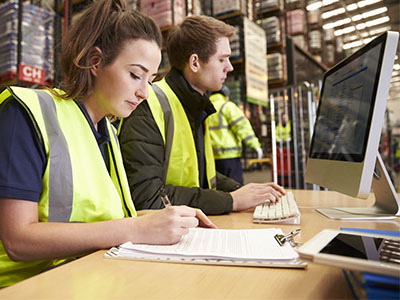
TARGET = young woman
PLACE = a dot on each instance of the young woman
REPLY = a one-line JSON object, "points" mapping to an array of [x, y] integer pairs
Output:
{"points": [[63, 188]]}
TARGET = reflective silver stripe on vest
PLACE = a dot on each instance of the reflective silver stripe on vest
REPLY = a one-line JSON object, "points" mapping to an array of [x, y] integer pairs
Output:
{"points": [[168, 126], [220, 121], [60, 169], [249, 137], [216, 150]]}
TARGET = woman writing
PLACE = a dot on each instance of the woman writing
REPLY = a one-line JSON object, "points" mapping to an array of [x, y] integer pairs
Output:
{"points": [[63, 188]]}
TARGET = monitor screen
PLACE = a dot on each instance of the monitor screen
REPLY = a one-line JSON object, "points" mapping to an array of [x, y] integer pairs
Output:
{"points": [[344, 147], [346, 106]]}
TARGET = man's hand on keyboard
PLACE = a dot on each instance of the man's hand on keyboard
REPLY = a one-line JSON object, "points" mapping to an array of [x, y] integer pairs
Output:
{"points": [[253, 194]]}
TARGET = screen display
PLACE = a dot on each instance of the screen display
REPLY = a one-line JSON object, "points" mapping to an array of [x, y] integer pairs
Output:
{"points": [[364, 247], [346, 106]]}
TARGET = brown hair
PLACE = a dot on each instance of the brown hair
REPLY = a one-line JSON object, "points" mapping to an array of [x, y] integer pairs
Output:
{"points": [[106, 24], [196, 34]]}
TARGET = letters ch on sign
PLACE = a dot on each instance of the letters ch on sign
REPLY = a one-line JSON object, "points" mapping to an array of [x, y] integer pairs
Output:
{"points": [[31, 74]]}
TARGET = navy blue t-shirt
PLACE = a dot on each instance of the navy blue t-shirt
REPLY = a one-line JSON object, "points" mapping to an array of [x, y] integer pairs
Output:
{"points": [[22, 158]]}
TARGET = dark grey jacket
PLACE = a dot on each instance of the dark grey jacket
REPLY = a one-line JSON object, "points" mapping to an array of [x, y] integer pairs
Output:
{"points": [[143, 153]]}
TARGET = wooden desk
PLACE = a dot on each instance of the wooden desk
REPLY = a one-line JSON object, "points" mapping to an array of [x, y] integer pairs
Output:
{"points": [[94, 277]]}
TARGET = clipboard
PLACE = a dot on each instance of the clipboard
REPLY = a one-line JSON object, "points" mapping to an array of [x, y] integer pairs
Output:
{"points": [[270, 253], [295, 263]]}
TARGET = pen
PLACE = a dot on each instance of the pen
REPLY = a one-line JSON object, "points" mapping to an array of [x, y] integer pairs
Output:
{"points": [[164, 197]]}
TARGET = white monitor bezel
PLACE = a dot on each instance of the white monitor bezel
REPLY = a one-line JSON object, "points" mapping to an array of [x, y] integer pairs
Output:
{"points": [[349, 177]]}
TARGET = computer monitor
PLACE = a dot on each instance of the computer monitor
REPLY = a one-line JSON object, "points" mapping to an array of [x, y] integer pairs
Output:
{"points": [[344, 147]]}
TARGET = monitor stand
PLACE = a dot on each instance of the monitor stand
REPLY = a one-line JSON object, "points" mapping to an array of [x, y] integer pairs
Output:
{"points": [[387, 204]]}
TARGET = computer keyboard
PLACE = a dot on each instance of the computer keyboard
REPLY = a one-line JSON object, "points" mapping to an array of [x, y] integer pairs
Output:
{"points": [[284, 209]]}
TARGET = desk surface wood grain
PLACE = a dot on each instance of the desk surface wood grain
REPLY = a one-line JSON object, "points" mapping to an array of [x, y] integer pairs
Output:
{"points": [[93, 277]]}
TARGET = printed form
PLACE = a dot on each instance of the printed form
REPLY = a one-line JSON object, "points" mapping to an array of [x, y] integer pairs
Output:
{"points": [[201, 243]]}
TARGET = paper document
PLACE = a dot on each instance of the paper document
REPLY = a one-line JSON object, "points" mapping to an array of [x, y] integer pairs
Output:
{"points": [[201, 243]]}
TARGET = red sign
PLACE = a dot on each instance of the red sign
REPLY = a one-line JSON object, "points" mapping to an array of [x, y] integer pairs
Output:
{"points": [[31, 74]]}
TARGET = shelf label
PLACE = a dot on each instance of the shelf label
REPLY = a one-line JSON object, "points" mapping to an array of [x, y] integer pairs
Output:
{"points": [[31, 74]]}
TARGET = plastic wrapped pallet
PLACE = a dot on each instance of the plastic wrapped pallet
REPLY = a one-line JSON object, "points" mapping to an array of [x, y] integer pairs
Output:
{"points": [[314, 16], [330, 54], [275, 66], [235, 44], [315, 39], [272, 29], [266, 4], [37, 39], [300, 41], [295, 21], [221, 7], [162, 13], [329, 34]]}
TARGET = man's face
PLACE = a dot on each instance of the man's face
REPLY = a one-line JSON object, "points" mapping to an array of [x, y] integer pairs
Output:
{"points": [[213, 74]]}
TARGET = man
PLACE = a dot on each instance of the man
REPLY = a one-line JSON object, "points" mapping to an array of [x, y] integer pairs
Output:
{"points": [[166, 141], [229, 128]]}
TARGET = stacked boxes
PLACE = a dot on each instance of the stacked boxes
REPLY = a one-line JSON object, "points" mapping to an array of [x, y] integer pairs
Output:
{"points": [[296, 22], [165, 12], [315, 39], [268, 4], [272, 29], [221, 7], [235, 44], [276, 69], [37, 39]]}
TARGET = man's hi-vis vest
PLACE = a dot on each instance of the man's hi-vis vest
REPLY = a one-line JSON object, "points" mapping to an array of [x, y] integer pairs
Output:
{"points": [[227, 135], [284, 132], [181, 164], [77, 186]]}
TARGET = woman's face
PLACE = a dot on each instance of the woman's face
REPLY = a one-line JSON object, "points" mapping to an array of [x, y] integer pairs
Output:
{"points": [[120, 86]]}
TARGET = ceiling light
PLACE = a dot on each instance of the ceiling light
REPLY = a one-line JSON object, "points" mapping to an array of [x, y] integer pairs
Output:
{"points": [[367, 40], [344, 30], [360, 4], [396, 67], [352, 45], [314, 6], [377, 21], [352, 6], [337, 23], [328, 2], [361, 26], [374, 12], [379, 30], [332, 13]]}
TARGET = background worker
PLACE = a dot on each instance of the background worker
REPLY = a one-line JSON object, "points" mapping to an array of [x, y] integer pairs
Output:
{"points": [[229, 128], [283, 129], [166, 140], [63, 188]]}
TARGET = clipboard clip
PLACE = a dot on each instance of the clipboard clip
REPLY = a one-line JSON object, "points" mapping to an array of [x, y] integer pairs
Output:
{"points": [[282, 239]]}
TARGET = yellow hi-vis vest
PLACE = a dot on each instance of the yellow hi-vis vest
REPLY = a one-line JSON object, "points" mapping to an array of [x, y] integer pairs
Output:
{"points": [[283, 133], [181, 164], [77, 186], [228, 133]]}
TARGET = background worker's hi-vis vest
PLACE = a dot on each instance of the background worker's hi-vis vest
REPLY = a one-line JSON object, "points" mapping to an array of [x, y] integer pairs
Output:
{"points": [[181, 164], [229, 128], [77, 186], [283, 132]]}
